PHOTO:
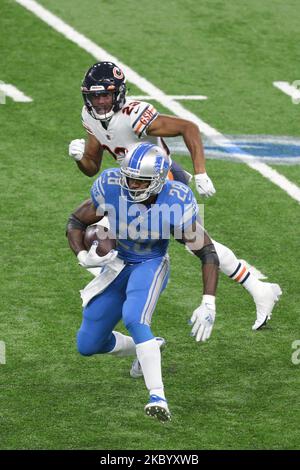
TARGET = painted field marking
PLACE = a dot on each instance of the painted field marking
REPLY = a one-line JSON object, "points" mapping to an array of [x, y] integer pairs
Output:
{"points": [[292, 90], [266, 148], [173, 97], [13, 92], [147, 87], [2, 353]]}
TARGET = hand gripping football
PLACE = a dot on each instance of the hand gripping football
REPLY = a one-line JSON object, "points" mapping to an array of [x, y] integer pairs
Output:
{"points": [[97, 233]]}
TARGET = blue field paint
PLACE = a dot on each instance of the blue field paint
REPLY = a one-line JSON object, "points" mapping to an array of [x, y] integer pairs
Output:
{"points": [[266, 148]]}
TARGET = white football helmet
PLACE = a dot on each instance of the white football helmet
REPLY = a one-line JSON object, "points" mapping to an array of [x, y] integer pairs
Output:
{"points": [[146, 162]]}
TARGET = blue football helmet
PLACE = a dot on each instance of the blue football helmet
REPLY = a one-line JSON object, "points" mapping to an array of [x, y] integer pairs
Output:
{"points": [[146, 162]]}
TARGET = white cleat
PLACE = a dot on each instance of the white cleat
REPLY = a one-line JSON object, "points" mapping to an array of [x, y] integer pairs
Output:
{"points": [[136, 370], [265, 301], [158, 408]]}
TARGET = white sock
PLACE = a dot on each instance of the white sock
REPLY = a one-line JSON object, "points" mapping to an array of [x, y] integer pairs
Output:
{"points": [[148, 354], [159, 392], [124, 346], [228, 260], [236, 269], [253, 285]]}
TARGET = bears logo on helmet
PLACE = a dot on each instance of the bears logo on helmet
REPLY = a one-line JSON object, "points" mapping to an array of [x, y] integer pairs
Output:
{"points": [[104, 77]]}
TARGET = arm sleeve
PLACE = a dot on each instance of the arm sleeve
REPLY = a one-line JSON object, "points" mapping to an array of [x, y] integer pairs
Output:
{"points": [[142, 117]]}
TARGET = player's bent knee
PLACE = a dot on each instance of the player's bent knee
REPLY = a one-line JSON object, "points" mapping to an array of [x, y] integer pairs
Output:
{"points": [[87, 346]]}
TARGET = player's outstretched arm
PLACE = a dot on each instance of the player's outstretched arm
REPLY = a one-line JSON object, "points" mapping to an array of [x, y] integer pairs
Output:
{"points": [[87, 154], [171, 126], [198, 241]]}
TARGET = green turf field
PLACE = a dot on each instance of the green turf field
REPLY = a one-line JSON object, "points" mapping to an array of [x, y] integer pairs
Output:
{"points": [[240, 390]]}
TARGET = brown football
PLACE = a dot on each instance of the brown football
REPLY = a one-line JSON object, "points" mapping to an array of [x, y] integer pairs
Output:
{"points": [[103, 236]]}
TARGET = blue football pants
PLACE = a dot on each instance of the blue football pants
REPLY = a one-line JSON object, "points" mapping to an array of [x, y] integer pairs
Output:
{"points": [[132, 297]]}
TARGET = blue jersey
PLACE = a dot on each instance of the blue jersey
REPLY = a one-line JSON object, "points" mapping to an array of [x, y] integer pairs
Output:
{"points": [[143, 232]]}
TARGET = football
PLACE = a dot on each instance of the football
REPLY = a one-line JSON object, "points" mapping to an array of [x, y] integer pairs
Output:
{"points": [[105, 238]]}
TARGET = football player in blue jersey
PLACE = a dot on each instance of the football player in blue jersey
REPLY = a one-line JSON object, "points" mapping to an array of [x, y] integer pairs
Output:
{"points": [[143, 209]]}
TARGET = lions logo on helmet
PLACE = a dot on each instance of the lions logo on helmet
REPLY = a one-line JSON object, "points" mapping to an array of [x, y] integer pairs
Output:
{"points": [[104, 77], [145, 162]]}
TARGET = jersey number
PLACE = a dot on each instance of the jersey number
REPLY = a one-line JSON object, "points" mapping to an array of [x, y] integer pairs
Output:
{"points": [[180, 191], [128, 109]]}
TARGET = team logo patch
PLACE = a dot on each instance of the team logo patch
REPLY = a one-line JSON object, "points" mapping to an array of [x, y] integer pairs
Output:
{"points": [[117, 73], [146, 116]]}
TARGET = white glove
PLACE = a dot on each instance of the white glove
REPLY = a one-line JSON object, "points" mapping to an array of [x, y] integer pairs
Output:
{"points": [[76, 149], [203, 318], [90, 259], [204, 185]]}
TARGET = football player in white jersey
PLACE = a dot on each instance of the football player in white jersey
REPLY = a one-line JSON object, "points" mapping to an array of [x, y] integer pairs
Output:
{"points": [[114, 124]]}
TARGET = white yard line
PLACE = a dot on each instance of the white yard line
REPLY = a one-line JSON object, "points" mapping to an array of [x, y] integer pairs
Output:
{"points": [[14, 93], [173, 97], [290, 90], [143, 84]]}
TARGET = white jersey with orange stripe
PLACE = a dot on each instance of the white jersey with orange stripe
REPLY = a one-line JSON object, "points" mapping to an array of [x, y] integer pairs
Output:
{"points": [[126, 127]]}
